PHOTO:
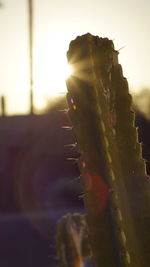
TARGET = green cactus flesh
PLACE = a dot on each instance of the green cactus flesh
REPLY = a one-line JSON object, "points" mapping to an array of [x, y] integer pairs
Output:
{"points": [[113, 173]]}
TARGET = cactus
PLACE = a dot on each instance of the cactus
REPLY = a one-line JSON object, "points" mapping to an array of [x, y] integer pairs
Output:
{"points": [[113, 173], [72, 242]]}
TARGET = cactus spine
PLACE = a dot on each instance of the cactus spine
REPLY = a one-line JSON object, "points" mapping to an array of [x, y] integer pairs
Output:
{"points": [[117, 191]]}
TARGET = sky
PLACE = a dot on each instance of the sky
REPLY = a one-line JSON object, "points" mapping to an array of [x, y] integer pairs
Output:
{"points": [[56, 23]]}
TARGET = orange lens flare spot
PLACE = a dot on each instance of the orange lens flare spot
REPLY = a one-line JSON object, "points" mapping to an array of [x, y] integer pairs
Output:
{"points": [[74, 107], [88, 181], [98, 190], [83, 164]]}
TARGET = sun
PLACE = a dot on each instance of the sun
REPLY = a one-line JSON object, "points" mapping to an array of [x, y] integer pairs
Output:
{"points": [[68, 70], [51, 68]]}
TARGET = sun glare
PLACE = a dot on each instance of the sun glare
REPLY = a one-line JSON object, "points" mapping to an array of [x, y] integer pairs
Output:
{"points": [[67, 71], [51, 70]]}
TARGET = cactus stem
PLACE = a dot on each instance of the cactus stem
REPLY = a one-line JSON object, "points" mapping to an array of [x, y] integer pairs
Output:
{"points": [[98, 109], [119, 215], [109, 157], [147, 177], [128, 259], [123, 236], [108, 144], [106, 141], [111, 190], [112, 175], [103, 126], [116, 197]]}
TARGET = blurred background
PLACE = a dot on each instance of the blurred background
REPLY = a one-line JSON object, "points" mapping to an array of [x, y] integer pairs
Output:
{"points": [[37, 183]]}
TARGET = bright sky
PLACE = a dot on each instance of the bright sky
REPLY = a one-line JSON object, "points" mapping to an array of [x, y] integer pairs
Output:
{"points": [[56, 23]]}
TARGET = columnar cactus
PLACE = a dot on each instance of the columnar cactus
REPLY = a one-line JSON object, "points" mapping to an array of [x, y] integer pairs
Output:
{"points": [[72, 241], [113, 173]]}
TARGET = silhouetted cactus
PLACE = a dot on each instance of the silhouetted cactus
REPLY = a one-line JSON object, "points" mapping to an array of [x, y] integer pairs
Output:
{"points": [[113, 173], [72, 241]]}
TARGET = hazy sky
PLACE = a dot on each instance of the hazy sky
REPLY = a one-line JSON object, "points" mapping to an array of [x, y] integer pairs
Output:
{"points": [[56, 23]]}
